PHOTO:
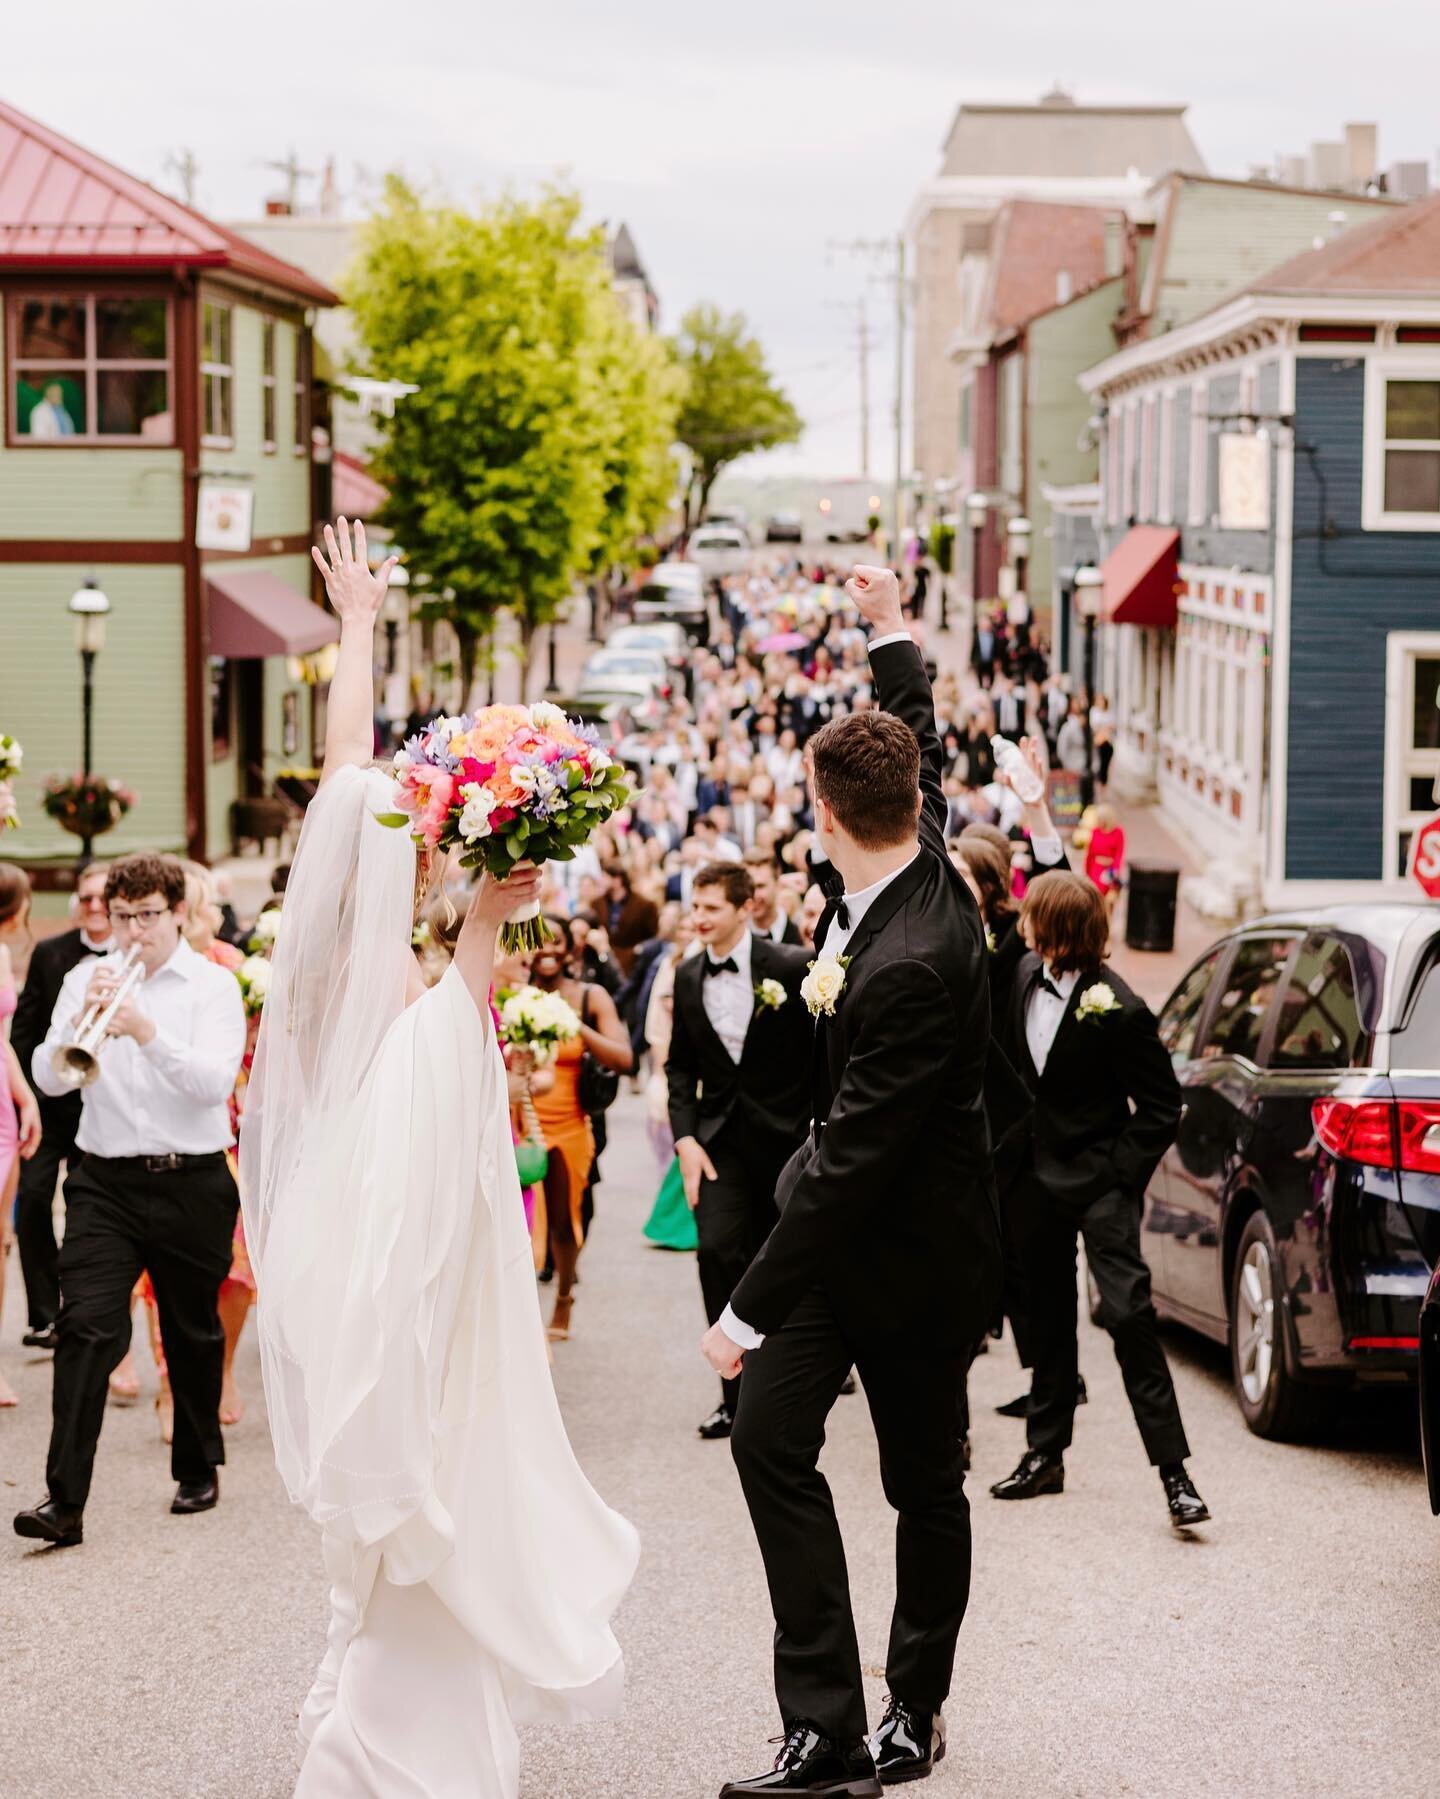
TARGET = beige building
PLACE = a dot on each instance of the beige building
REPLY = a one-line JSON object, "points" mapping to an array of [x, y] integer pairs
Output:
{"points": [[1054, 151]]}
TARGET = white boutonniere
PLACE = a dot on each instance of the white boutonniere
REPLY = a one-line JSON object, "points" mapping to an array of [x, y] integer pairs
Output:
{"points": [[770, 995], [1097, 1001], [824, 984], [990, 940]]}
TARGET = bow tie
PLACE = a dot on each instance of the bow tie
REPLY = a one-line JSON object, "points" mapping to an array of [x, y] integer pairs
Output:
{"points": [[1046, 985], [711, 966], [842, 913]]}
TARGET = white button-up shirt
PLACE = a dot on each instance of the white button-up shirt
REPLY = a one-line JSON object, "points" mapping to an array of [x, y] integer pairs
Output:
{"points": [[171, 1097], [856, 906], [729, 999], [1044, 1014]]}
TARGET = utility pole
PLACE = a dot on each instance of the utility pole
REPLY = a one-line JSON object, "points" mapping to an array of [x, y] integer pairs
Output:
{"points": [[182, 164], [862, 337], [890, 253], [294, 175]]}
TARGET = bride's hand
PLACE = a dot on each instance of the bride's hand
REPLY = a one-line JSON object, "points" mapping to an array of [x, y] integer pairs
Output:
{"points": [[494, 900], [355, 592]]}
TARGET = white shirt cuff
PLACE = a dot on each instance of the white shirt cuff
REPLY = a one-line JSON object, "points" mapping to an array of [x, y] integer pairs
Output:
{"points": [[878, 643], [1049, 850], [739, 1332]]}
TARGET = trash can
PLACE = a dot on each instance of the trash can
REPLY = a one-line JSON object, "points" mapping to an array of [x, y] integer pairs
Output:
{"points": [[1153, 891]]}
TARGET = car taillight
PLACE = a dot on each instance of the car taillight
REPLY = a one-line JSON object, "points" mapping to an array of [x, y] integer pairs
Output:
{"points": [[1420, 1135], [1360, 1130]]}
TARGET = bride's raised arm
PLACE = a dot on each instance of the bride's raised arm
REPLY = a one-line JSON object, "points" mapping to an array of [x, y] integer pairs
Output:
{"points": [[357, 595]]}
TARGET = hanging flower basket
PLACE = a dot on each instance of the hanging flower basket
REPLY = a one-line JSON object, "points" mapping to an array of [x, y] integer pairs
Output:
{"points": [[86, 805]]}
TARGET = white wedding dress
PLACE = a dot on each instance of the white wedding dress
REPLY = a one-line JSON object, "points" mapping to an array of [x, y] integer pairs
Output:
{"points": [[473, 1569]]}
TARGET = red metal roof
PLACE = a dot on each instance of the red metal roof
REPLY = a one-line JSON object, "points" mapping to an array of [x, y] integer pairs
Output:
{"points": [[354, 491], [1141, 575], [62, 207]]}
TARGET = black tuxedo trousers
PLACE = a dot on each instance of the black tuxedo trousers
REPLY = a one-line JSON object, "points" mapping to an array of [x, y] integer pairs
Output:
{"points": [[735, 1213]]}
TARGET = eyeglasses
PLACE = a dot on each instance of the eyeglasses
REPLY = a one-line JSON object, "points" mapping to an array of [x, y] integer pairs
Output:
{"points": [[142, 920], [91, 902]]}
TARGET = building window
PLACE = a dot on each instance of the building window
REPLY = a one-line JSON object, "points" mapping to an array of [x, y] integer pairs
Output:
{"points": [[89, 368], [222, 707], [1113, 428], [1149, 451], [965, 393], [1412, 741], [1127, 503], [267, 386], [1199, 455], [217, 376], [1401, 489]]}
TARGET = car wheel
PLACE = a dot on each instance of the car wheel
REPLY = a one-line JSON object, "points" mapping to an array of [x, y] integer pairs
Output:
{"points": [[1272, 1402]]}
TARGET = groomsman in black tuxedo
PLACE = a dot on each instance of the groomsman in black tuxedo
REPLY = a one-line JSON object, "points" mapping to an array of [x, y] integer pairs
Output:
{"points": [[738, 1074], [1107, 1105], [51, 961], [887, 1251]]}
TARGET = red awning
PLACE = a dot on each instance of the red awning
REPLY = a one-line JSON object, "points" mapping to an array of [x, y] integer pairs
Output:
{"points": [[354, 492], [1141, 574], [255, 613]]}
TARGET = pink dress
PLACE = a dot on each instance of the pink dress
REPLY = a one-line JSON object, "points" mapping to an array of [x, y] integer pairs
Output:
{"points": [[9, 1121]]}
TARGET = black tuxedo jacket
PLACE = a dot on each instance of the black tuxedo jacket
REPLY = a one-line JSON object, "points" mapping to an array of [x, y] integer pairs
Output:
{"points": [[889, 1205], [50, 962], [768, 1088], [1108, 1104]]}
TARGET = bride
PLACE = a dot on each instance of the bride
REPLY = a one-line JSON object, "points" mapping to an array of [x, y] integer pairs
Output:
{"points": [[473, 1570]]}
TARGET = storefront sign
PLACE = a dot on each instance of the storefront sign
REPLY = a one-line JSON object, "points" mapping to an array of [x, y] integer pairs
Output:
{"points": [[224, 516], [1244, 482]]}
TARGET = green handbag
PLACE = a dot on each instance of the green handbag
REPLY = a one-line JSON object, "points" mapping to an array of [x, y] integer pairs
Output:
{"points": [[531, 1161]]}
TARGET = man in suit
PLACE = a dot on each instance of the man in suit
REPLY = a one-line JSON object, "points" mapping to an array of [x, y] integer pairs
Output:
{"points": [[739, 1088], [51, 961], [887, 1250], [767, 919], [1107, 1105]]}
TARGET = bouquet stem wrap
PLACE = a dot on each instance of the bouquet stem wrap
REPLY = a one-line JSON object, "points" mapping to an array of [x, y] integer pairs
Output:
{"points": [[524, 929]]}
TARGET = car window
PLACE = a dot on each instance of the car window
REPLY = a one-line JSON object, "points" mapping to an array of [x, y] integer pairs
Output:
{"points": [[1417, 1043], [1181, 1018], [1250, 982], [1319, 1024]]}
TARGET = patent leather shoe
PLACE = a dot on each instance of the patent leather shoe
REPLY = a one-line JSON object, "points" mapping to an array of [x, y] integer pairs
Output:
{"points": [[45, 1336], [58, 1525], [1036, 1473], [718, 1424], [908, 1743], [811, 1762], [196, 1496], [1186, 1506]]}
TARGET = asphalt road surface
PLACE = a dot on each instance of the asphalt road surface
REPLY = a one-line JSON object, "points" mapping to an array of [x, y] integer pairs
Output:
{"points": [[1290, 1648]]}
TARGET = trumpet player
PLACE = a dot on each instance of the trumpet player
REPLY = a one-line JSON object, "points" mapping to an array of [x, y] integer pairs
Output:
{"points": [[151, 1189]]}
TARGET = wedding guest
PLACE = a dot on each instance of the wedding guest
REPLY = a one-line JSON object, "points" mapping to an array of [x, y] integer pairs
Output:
{"points": [[1105, 854], [630, 918], [768, 917], [1106, 1109], [739, 1079], [50, 961], [153, 1190], [20, 1128], [812, 909], [569, 1131], [1070, 750]]}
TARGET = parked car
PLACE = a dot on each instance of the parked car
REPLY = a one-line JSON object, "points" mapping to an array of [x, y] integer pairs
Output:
{"points": [[1297, 1215], [728, 515], [635, 660], [675, 593], [1430, 1388], [719, 550], [784, 527], [669, 639]]}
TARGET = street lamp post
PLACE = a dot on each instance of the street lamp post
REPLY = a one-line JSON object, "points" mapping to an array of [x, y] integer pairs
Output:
{"points": [[977, 505], [1089, 601], [551, 684], [1018, 532], [89, 607]]}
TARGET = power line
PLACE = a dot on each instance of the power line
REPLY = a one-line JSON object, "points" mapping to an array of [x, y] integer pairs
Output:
{"points": [[889, 252]]}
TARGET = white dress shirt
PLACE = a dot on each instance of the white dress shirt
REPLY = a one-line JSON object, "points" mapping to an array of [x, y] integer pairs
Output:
{"points": [[729, 999], [775, 930], [1044, 1014], [172, 1096]]}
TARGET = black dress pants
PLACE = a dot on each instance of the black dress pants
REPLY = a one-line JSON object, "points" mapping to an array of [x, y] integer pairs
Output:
{"points": [[121, 1218], [35, 1221], [735, 1213], [913, 1390], [1110, 1227]]}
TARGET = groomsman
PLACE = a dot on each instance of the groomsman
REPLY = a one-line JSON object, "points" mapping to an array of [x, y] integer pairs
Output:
{"points": [[1107, 1105], [739, 1080]]}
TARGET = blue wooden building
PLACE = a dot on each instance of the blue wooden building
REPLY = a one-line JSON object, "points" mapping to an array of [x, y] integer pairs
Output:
{"points": [[1269, 519]]}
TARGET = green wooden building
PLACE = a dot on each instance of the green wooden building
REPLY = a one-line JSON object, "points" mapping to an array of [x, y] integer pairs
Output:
{"points": [[157, 442]]}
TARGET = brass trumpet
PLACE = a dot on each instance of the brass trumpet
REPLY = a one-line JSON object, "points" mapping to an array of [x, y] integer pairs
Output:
{"points": [[77, 1063]]}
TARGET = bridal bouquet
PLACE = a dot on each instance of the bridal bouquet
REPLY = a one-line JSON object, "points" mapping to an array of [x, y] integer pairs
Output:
{"points": [[253, 975], [538, 1021], [504, 785]]}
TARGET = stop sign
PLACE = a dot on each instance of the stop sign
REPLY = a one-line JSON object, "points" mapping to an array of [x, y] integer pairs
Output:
{"points": [[1425, 857]]}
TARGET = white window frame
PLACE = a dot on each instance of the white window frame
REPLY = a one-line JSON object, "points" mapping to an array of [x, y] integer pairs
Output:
{"points": [[1165, 509], [1114, 460], [1402, 763], [221, 371], [1149, 456], [1414, 365], [1128, 459], [1199, 453], [269, 393]]}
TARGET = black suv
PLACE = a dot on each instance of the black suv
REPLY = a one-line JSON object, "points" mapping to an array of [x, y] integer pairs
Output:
{"points": [[1297, 1216]]}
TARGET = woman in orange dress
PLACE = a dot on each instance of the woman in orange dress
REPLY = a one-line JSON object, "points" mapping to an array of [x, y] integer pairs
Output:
{"points": [[568, 1133]]}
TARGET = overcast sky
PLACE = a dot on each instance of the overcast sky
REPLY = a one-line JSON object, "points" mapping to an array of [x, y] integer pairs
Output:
{"points": [[737, 140]]}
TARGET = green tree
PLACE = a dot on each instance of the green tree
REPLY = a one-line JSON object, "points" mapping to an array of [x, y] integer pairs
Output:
{"points": [[732, 402], [541, 412]]}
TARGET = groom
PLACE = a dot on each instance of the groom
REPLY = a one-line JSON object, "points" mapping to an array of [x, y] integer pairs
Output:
{"points": [[887, 1251]]}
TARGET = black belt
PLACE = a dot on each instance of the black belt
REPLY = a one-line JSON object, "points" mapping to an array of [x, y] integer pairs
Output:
{"points": [[171, 1163]]}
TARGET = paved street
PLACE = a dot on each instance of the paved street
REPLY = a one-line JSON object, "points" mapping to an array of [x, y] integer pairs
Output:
{"points": [[1291, 1648]]}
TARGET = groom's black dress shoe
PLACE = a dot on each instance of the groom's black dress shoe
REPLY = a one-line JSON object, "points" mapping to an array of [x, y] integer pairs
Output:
{"points": [[1186, 1505], [196, 1496], [58, 1525], [45, 1336], [809, 1762], [1037, 1473], [717, 1424], [1020, 1408], [908, 1743]]}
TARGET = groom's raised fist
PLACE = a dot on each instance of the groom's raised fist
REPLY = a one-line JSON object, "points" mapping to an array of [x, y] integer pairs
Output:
{"points": [[876, 594]]}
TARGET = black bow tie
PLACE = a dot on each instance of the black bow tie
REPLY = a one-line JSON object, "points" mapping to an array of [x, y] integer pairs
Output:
{"points": [[1046, 985], [713, 967], [842, 913]]}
